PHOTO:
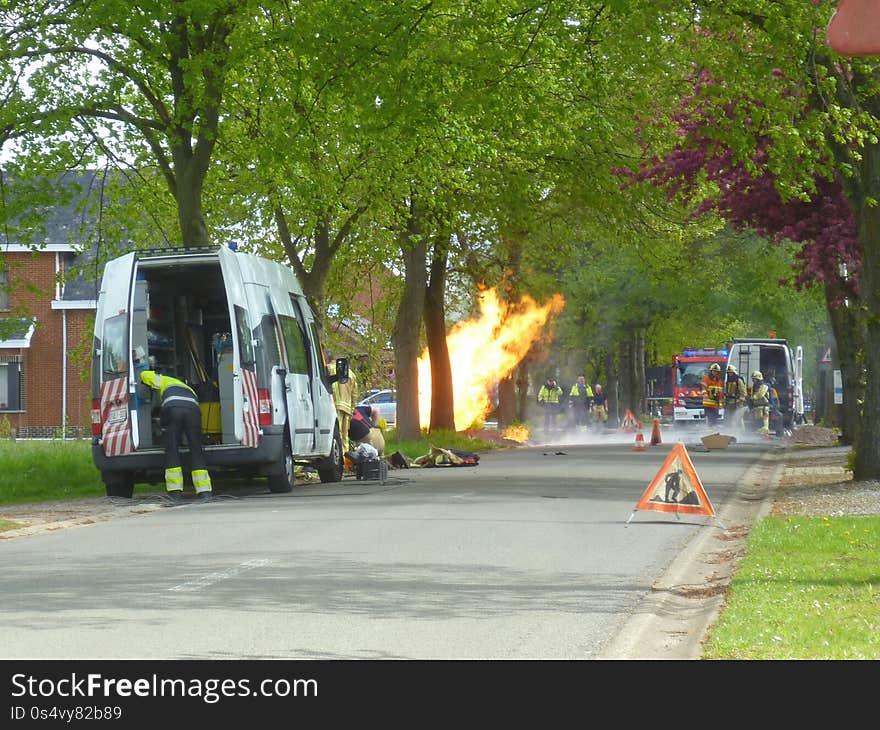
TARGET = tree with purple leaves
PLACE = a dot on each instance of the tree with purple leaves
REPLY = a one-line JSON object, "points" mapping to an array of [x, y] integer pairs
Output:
{"points": [[704, 171]]}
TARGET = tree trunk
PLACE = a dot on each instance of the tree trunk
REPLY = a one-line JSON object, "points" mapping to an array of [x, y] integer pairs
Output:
{"points": [[626, 360], [507, 403], [522, 391], [407, 327], [848, 344], [639, 392], [189, 180], [611, 390], [442, 395], [326, 246], [867, 444]]}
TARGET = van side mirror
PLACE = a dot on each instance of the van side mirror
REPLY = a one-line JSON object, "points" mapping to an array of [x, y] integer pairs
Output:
{"points": [[341, 375]]}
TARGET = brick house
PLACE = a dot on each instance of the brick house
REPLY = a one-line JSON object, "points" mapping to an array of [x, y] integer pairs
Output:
{"points": [[45, 342]]}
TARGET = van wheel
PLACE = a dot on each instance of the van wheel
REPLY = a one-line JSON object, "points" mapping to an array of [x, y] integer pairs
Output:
{"points": [[118, 483], [331, 468], [283, 483]]}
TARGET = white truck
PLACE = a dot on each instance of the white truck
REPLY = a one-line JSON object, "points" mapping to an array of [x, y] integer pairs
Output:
{"points": [[239, 330], [776, 361]]}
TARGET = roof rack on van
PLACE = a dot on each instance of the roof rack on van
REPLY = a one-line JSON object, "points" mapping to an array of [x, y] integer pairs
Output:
{"points": [[762, 340], [175, 250]]}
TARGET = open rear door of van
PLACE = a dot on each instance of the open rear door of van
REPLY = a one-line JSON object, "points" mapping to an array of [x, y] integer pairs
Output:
{"points": [[243, 368], [798, 405], [119, 422]]}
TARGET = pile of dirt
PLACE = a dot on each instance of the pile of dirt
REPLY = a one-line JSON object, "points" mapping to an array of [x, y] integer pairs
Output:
{"points": [[815, 435]]}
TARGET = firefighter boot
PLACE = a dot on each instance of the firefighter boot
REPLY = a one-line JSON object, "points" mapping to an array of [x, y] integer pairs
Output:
{"points": [[174, 484], [202, 483]]}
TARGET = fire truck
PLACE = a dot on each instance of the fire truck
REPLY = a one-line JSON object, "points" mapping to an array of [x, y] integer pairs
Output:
{"points": [[688, 370]]}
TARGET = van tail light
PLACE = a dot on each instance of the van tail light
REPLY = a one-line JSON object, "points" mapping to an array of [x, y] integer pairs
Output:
{"points": [[265, 407], [96, 417]]}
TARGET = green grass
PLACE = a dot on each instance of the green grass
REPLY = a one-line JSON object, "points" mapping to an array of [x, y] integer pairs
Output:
{"points": [[39, 471], [807, 588], [441, 439]]}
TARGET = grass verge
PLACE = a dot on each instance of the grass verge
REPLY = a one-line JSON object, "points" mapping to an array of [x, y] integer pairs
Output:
{"points": [[807, 588], [42, 471]]}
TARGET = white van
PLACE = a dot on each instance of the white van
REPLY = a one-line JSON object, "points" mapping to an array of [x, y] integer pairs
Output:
{"points": [[775, 360], [239, 330]]}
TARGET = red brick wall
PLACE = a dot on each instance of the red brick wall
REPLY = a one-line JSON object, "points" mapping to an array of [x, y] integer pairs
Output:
{"points": [[43, 362]]}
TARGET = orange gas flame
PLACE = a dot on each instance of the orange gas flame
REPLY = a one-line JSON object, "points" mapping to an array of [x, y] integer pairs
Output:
{"points": [[516, 433], [483, 351]]}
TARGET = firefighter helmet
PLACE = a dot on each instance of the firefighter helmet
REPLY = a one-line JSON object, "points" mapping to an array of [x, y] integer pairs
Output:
{"points": [[757, 375], [731, 369], [715, 367]]}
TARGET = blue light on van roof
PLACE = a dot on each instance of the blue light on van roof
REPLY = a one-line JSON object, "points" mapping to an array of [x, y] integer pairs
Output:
{"points": [[704, 352]]}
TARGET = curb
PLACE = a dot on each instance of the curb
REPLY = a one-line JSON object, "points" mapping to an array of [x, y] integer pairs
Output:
{"points": [[672, 620]]}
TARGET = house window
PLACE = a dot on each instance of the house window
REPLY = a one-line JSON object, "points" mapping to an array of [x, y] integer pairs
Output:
{"points": [[4, 290], [10, 386]]}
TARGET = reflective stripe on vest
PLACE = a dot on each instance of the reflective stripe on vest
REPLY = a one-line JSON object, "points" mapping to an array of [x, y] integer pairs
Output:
{"points": [[178, 393]]}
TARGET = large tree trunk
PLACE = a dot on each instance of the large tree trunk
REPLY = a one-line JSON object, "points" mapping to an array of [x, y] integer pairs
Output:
{"points": [[867, 444], [407, 327], [513, 396], [189, 178], [507, 409], [848, 344], [442, 395]]}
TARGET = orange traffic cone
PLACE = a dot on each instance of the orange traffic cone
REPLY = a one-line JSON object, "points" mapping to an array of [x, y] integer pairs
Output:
{"points": [[640, 442], [655, 433]]}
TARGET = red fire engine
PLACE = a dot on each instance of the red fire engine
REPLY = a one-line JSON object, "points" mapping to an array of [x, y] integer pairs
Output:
{"points": [[688, 370]]}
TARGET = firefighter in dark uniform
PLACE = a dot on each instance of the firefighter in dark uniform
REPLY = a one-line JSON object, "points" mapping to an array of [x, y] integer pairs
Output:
{"points": [[181, 417]]}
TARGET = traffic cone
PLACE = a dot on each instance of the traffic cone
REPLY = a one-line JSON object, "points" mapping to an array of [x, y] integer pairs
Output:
{"points": [[655, 433], [640, 442]]}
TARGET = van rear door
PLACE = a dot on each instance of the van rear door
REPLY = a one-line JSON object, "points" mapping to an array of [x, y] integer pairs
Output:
{"points": [[799, 385], [242, 365], [300, 379], [119, 424]]}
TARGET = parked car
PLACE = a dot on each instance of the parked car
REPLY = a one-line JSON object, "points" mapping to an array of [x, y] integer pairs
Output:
{"points": [[385, 401]]}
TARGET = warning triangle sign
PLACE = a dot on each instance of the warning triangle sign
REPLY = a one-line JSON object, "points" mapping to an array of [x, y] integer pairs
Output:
{"points": [[676, 487], [630, 422]]}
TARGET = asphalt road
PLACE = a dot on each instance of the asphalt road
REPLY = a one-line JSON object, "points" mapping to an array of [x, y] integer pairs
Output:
{"points": [[529, 555]]}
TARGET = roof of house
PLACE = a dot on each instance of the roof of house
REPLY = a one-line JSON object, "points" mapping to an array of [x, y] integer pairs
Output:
{"points": [[72, 233]]}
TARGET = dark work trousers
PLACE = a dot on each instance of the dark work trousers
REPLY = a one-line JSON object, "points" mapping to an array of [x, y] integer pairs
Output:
{"points": [[179, 420]]}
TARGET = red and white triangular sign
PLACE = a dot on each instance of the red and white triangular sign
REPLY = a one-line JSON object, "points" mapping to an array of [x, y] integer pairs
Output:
{"points": [[629, 422], [676, 488]]}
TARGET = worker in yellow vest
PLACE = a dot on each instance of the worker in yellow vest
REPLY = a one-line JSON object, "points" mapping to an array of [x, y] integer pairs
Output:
{"points": [[550, 399], [181, 418]]}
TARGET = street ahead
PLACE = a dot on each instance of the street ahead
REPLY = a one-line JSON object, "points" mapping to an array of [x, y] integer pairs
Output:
{"points": [[526, 556]]}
